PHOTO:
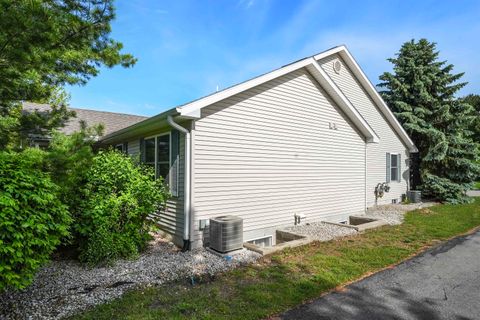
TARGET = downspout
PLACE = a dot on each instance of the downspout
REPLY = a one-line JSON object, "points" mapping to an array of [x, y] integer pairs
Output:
{"points": [[365, 177], [186, 196]]}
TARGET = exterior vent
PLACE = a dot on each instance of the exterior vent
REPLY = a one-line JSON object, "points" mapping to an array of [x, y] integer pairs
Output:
{"points": [[337, 66], [226, 233]]}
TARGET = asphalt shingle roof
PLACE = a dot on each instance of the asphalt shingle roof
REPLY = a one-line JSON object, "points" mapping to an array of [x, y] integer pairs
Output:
{"points": [[111, 120]]}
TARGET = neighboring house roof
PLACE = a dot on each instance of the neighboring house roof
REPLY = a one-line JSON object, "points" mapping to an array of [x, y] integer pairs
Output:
{"points": [[111, 120], [193, 109]]}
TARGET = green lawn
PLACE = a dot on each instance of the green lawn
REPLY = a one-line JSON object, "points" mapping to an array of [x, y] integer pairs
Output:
{"points": [[287, 279], [476, 186]]}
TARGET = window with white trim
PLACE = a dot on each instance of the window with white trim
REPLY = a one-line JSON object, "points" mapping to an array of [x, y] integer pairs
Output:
{"points": [[394, 167], [162, 153], [157, 154], [394, 172]]}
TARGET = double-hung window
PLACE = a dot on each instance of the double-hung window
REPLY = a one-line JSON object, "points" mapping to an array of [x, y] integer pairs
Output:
{"points": [[394, 172], [161, 152], [157, 154]]}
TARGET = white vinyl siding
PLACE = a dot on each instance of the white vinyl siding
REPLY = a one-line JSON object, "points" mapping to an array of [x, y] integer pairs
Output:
{"points": [[389, 140], [268, 153]]}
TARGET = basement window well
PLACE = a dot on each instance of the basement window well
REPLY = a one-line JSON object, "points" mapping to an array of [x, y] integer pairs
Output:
{"points": [[262, 242]]}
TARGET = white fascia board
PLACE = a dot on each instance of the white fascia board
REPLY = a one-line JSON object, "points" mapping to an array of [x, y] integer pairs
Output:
{"points": [[193, 107], [368, 86], [329, 52], [328, 85], [194, 114]]}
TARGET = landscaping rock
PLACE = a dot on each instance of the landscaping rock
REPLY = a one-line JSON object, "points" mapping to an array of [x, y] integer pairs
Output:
{"points": [[66, 287], [393, 214], [322, 231]]}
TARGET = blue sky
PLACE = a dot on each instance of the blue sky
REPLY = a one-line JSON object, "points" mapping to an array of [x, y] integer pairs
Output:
{"points": [[188, 48]]}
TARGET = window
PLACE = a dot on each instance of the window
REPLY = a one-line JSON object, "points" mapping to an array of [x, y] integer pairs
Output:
{"points": [[163, 156], [262, 242], [393, 167], [150, 152], [157, 154], [122, 147], [162, 153]]}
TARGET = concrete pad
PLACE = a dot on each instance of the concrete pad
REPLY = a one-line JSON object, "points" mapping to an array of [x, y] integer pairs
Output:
{"points": [[288, 240]]}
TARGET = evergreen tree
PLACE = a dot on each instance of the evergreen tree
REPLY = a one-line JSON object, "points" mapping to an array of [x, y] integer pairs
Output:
{"points": [[45, 44], [421, 92], [474, 101]]}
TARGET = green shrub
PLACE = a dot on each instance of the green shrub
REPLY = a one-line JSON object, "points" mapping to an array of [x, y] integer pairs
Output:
{"points": [[118, 196], [443, 189], [68, 159], [33, 220]]}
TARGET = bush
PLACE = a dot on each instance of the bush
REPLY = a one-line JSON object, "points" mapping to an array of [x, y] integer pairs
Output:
{"points": [[444, 189], [68, 159], [33, 221], [118, 196]]}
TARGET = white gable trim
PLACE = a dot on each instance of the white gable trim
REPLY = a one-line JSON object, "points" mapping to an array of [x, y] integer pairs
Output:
{"points": [[368, 86], [328, 85], [194, 106], [192, 109]]}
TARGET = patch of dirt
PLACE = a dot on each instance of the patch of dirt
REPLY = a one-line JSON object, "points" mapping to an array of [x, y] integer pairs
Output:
{"points": [[425, 212]]}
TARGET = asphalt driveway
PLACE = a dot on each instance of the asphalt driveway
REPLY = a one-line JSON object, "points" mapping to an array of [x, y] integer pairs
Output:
{"points": [[442, 283]]}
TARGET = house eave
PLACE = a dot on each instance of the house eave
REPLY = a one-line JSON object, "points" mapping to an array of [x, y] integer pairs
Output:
{"points": [[144, 127], [373, 93], [192, 110]]}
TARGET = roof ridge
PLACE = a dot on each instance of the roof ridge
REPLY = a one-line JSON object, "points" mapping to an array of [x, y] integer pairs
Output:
{"points": [[119, 113], [45, 105]]}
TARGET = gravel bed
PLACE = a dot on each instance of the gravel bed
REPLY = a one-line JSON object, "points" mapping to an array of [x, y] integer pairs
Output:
{"points": [[65, 287], [321, 231], [393, 214]]}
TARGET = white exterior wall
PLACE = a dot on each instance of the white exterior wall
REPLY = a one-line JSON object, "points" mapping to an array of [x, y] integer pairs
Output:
{"points": [[389, 140], [268, 153]]}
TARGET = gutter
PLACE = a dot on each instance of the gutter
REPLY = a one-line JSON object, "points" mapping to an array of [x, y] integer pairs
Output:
{"points": [[137, 129], [187, 183]]}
